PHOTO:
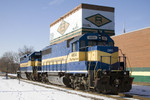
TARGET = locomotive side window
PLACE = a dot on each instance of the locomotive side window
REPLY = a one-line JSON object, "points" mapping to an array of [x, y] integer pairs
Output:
{"points": [[38, 57], [21, 59], [32, 59], [82, 44], [74, 47]]}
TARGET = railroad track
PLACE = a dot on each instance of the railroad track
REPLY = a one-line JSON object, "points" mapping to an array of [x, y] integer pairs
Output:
{"points": [[92, 95]]}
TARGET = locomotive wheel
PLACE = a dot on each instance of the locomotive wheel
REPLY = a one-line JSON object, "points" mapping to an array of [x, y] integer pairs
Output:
{"points": [[30, 76], [39, 77], [44, 78], [79, 83]]}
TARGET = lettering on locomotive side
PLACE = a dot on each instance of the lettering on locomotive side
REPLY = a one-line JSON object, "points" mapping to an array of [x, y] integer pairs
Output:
{"points": [[74, 57], [74, 54]]}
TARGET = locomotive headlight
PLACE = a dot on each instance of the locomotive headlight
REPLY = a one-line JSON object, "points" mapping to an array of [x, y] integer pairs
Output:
{"points": [[104, 72], [117, 81], [104, 38], [125, 73]]}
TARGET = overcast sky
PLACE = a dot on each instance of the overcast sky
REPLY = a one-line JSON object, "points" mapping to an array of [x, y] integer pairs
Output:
{"points": [[27, 22]]}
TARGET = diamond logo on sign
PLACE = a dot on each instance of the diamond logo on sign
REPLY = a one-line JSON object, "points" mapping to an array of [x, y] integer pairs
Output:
{"points": [[98, 20], [63, 27]]}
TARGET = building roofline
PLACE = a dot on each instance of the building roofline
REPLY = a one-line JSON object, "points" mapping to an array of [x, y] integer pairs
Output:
{"points": [[131, 31], [84, 6]]}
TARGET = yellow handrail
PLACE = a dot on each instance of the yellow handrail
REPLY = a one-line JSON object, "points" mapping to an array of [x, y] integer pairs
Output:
{"points": [[95, 69], [89, 65], [129, 65]]}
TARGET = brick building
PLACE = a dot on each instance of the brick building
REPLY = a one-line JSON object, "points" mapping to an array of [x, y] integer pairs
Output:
{"points": [[136, 46]]}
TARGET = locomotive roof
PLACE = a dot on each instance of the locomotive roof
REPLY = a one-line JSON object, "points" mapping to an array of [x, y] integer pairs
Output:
{"points": [[77, 38]]}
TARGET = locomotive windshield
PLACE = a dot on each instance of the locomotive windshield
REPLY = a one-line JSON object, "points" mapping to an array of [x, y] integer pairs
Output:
{"points": [[21, 59], [96, 43], [95, 40], [92, 43], [100, 43]]}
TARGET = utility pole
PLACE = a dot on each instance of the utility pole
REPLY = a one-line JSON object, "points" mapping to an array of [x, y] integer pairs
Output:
{"points": [[19, 73], [124, 31], [7, 70]]}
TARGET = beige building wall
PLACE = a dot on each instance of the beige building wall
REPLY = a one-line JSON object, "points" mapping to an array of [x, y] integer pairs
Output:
{"points": [[136, 46]]}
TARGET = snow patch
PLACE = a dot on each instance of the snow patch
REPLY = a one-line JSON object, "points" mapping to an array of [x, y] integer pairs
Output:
{"points": [[12, 89]]}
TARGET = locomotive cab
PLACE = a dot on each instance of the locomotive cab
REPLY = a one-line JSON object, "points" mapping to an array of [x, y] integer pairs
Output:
{"points": [[35, 64], [30, 64], [106, 69]]}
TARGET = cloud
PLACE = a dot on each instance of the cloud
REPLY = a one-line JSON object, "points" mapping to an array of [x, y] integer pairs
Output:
{"points": [[55, 2]]}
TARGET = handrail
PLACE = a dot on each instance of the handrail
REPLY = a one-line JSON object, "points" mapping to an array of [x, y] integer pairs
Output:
{"points": [[89, 66], [101, 57], [129, 65], [125, 61], [95, 70]]}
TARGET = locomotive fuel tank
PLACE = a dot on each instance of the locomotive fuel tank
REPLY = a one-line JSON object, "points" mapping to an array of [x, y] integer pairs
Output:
{"points": [[58, 78]]}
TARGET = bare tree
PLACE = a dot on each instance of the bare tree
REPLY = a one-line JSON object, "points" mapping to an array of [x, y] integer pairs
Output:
{"points": [[9, 62], [2, 64], [11, 57], [25, 50]]}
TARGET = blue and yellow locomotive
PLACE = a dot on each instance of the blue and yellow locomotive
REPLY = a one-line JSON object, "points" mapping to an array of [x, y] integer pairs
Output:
{"points": [[89, 61], [30, 64]]}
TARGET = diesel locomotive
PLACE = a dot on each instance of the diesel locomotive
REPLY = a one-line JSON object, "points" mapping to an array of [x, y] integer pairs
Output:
{"points": [[89, 61]]}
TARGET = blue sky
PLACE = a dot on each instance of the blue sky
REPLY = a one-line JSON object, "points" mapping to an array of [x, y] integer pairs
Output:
{"points": [[26, 22]]}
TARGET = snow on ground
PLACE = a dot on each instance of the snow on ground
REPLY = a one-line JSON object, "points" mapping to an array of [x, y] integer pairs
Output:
{"points": [[12, 89], [12, 74], [140, 90]]}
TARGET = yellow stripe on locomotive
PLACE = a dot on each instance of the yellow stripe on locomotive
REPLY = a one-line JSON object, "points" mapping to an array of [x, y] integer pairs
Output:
{"points": [[81, 56]]}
